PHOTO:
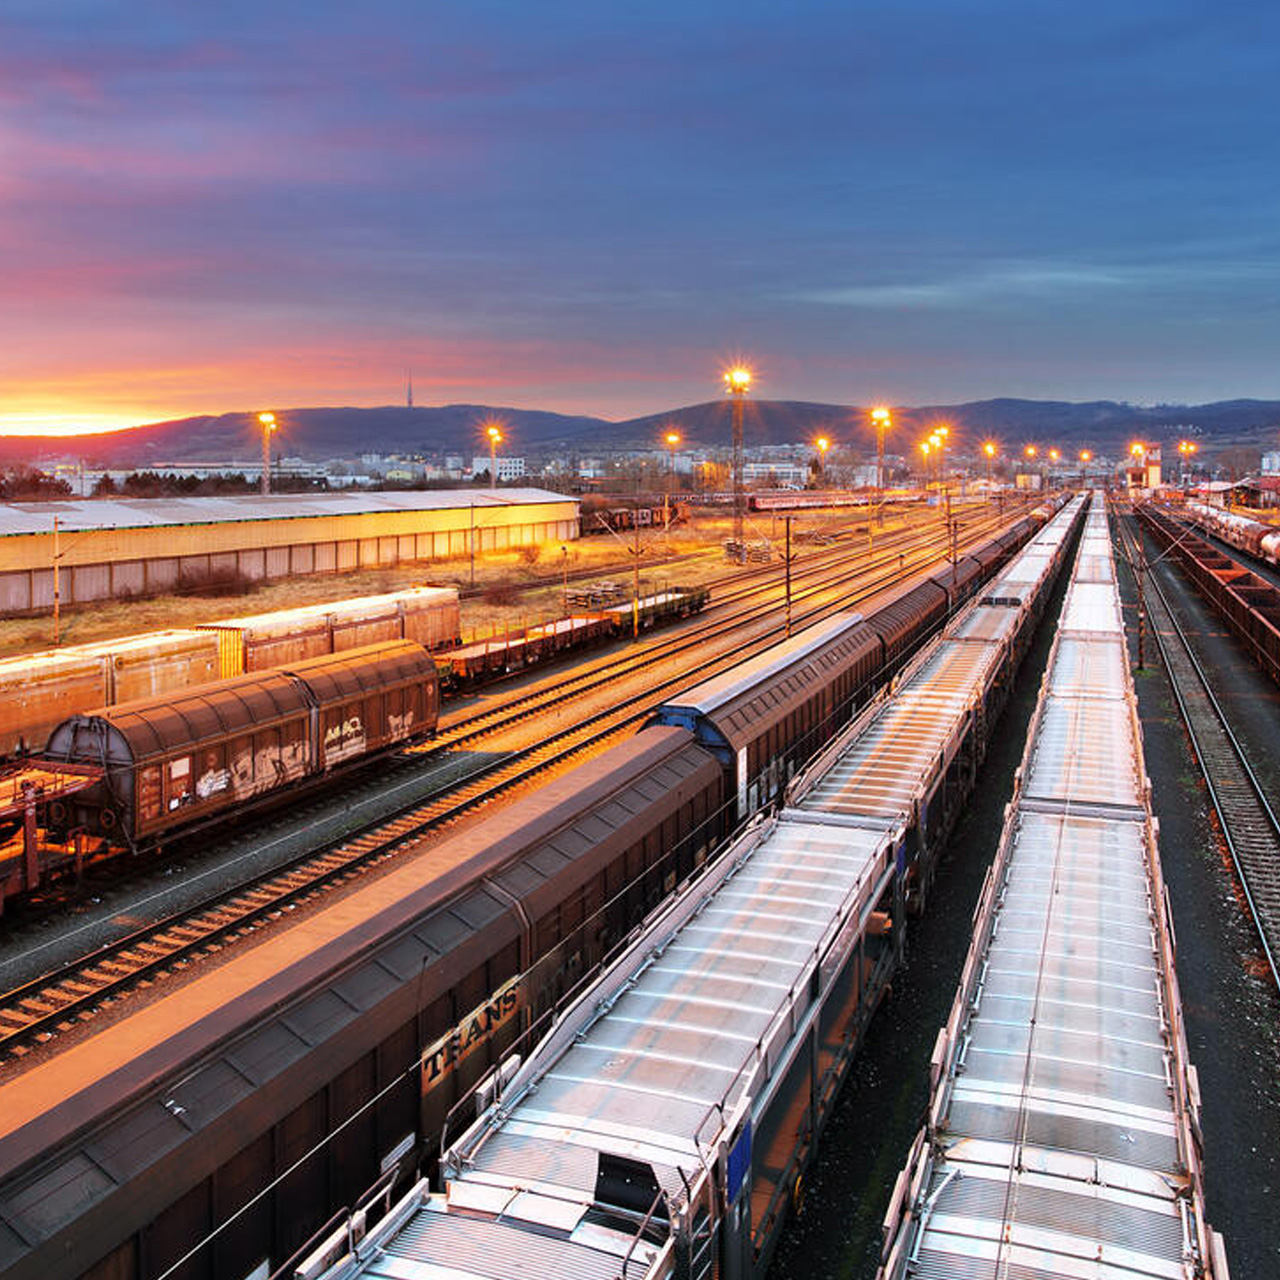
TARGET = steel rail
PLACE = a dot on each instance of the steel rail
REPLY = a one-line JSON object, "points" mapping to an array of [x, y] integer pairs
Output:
{"points": [[1248, 823], [55, 1001]]}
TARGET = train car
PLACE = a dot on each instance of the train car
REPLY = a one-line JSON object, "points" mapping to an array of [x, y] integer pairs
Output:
{"points": [[801, 499], [191, 758], [260, 642], [664, 1127], [762, 718], [372, 1016], [473, 664], [40, 690], [1062, 1135]]}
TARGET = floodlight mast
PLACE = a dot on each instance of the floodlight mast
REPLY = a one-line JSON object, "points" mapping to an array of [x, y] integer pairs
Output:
{"points": [[737, 383]]}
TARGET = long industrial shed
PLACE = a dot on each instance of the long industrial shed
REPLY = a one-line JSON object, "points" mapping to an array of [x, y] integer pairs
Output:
{"points": [[117, 548]]}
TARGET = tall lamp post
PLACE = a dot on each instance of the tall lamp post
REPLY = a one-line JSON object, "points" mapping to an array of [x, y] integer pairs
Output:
{"points": [[823, 444], [990, 450], [1085, 458], [737, 383], [882, 420], [925, 447], [673, 440], [494, 432], [268, 423], [1185, 450]]}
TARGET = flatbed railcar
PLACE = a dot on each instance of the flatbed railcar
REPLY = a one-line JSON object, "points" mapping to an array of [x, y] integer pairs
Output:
{"points": [[375, 1014], [664, 1127], [193, 757]]}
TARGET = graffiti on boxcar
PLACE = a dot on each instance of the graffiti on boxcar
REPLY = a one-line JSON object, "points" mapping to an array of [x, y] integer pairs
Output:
{"points": [[473, 1032]]}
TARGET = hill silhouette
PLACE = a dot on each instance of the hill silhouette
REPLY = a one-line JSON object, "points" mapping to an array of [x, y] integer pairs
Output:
{"points": [[319, 433]]}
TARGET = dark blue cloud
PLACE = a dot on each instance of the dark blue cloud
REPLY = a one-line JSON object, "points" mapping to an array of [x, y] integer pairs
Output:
{"points": [[921, 200]]}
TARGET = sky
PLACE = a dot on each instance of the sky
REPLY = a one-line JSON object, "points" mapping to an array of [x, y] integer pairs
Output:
{"points": [[592, 206]]}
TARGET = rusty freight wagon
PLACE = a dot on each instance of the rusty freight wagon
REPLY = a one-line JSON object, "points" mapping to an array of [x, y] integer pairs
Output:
{"points": [[261, 641], [180, 760], [40, 690]]}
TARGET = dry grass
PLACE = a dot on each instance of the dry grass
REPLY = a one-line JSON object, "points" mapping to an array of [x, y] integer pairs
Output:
{"points": [[698, 544]]}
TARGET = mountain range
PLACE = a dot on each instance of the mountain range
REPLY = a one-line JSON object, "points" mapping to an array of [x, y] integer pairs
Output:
{"points": [[319, 433]]}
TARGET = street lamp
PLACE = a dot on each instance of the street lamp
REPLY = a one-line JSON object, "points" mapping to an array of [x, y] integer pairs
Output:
{"points": [[737, 382], [1085, 458], [925, 446], [823, 445], [1186, 448], [268, 421], [673, 439], [990, 450], [494, 432], [882, 419]]}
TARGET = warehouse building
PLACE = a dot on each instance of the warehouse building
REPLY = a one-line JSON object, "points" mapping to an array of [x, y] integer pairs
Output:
{"points": [[114, 548]]}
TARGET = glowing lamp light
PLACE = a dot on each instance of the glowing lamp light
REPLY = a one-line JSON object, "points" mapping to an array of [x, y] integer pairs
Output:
{"points": [[673, 438], [1137, 449], [1085, 455], [268, 421], [738, 379], [823, 443], [1031, 451], [1054, 455], [989, 449], [880, 415], [494, 434], [924, 447]]}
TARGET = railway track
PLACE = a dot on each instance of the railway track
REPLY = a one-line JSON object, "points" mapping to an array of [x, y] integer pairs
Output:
{"points": [[808, 583], [1248, 823], [58, 1000]]}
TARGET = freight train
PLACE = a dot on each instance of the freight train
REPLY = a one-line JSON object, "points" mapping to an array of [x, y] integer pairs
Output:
{"points": [[190, 758], [194, 763], [1258, 539], [364, 1028], [40, 690]]}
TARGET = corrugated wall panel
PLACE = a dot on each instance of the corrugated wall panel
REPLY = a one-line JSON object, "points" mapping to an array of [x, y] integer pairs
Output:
{"points": [[89, 582], [128, 578], [15, 592]]}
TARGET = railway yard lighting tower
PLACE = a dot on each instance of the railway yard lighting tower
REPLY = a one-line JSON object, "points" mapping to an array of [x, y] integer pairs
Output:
{"points": [[1085, 458], [494, 432], [737, 383], [925, 446], [673, 441], [268, 423], [1186, 448], [882, 420], [990, 450], [823, 445]]}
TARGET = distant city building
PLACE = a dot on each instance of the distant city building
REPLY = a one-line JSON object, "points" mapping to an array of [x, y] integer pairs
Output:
{"points": [[1271, 463], [508, 468], [784, 473]]}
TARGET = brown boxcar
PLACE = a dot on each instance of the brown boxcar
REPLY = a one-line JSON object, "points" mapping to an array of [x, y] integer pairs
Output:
{"points": [[40, 690], [193, 755], [257, 1081], [428, 615]]}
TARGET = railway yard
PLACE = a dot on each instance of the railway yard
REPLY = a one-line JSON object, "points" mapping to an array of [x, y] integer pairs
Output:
{"points": [[619, 944]]}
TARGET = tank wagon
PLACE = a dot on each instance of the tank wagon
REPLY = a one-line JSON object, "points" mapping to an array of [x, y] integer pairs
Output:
{"points": [[189, 758], [763, 718], [664, 1126], [1258, 539], [1062, 1136], [375, 1014]]}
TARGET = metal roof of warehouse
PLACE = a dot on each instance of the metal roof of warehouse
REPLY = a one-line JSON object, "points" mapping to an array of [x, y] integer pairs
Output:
{"points": [[83, 515]]}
